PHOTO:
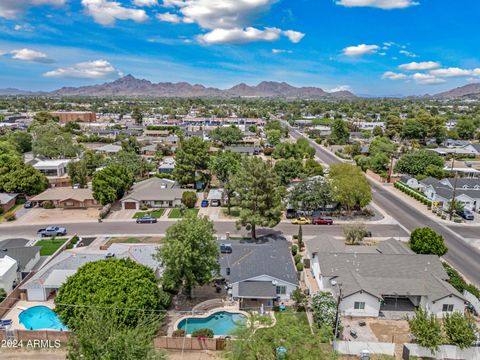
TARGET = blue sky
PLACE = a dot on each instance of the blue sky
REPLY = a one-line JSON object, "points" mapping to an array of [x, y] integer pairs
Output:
{"points": [[374, 47]]}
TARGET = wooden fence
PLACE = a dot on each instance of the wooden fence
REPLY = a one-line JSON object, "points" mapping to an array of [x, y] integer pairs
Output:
{"points": [[188, 343]]}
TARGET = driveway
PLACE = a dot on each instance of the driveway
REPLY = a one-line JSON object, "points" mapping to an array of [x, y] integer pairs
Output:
{"points": [[54, 216]]}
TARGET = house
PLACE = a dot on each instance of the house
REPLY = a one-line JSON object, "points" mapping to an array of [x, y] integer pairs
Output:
{"points": [[67, 198], [387, 280], [467, 192], [108, 149], [154, 193], [27, 257], [216, 197], [7, 201], [474, 148], [245, 150], [51, 276], [259, 272], [8, 273], [55, 171], [410, 181], [167, 165]]}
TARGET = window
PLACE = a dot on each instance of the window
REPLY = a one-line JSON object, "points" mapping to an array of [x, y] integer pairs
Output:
{"points": [[358, 305], [447, 308], [281, 290]]}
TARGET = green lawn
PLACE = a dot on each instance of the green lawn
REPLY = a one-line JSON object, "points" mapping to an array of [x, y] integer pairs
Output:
{"points": [[135, 240], [234, 212], [176, 213], [49, 246], [155, 213]]}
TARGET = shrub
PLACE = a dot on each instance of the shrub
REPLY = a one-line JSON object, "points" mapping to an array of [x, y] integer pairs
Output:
{"points": [[299, 266], [298, 258], [48, 205], [144, 207], [203, 333], [427, 241], [1, 211], [294, 250], [178, 333], [10, 216], [165, 299], [189, 199]]}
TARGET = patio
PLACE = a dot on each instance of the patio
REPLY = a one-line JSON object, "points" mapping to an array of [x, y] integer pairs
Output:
{"points": [[21, 305]]}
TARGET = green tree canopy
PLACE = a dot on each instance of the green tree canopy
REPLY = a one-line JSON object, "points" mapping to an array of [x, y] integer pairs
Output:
{"points": [[192, 157], [50, 141], [274, 136], [225, 164], [288, 169], [311, 195], [350, 187], [426, 329], [113, 283], [417, 162], [227, 135], [393, 126], [466, 128], [189, 254], [22, 140], [110, 183], [340, 133], [137, 115], [427, 241], [413, 130], [259, 195], [460, 330], [312, 168]]}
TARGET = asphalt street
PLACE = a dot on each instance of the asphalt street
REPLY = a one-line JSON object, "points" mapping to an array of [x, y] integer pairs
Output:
{"points": [[461, 255]]}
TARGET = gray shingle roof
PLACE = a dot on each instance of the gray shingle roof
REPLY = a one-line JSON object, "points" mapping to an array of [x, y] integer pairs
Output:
{"points": [[155, 189], [267, 256], [257, 290]]}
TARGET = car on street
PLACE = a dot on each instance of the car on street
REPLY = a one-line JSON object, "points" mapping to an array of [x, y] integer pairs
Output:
{"points": [[52, 231], [291, 213], [322, 220], [147, 219], [204, 203], [301, 221], [467, 214]]}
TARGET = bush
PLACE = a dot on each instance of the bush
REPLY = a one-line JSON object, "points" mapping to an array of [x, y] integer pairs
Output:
{"points": [[203, 333], [48, 205], [294, 250], [297, 258], [178, 333], [427, 241], [165, 299], [299, 266], [10, 216], [144, 207], [189, 199], [1, 211]]}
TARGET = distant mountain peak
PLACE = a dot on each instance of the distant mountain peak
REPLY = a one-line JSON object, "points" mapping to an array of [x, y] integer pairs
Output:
{"points": [[467, 91]]}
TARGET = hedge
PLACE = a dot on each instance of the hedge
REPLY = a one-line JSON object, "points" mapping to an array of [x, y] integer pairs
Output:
{"points": [[413, 193], [203, 333], [457, 281]]}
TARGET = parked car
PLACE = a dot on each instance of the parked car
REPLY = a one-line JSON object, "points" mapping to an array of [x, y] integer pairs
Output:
{"points": [[52, 231], [28, 205], [147, 219], [226, 248], [301, 221], [322, 220], [204, 203], [466, 214], [215, 203], [291, 214]]}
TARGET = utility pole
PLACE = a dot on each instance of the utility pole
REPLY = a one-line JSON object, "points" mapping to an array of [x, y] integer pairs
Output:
{"points": [[337, 317], [452, 203]]}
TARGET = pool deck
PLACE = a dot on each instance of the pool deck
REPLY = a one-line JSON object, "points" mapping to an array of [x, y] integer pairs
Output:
{"points": [[15, 311]]}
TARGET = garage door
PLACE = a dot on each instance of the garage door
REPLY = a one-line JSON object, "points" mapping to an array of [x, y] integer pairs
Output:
{"points": [[130, 205]]}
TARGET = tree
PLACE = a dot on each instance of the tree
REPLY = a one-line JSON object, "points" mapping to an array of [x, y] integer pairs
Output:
{"points": [[134, 163], [416, 163], [131, 144], [426, 330], [381, 145], [189, 254], [3, 294], [224, 166], [137, 115], [276, 125], [413, 129], [286, 151], [189, 199], [339, 133], [43, 118], [110, 183], [435, 171], [460, 330], [393, 126], [466, 128], [113, 283], [192, 157], [350, 187], [377, 131], [21, 139], [427, 241], [227, 135], [259, 196], [50, 141], [288, 169], [78, 172], [311, 195], [312, 168], [101, 334], [304, 149], [274, 136], [324, 310], [354, 233]]}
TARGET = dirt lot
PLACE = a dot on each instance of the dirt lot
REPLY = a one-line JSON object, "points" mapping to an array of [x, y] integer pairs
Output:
{"points": [[380, 330], [52, 216], [193, 355]]}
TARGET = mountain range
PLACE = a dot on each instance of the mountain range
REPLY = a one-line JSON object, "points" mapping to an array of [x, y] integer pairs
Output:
{"points": [[131, 86], [470, 91]]}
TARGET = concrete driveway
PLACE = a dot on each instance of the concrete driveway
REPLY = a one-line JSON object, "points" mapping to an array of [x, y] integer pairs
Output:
{"points": [[54, 216]]}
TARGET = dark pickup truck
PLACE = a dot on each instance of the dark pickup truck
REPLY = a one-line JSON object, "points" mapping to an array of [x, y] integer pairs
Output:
{"points": [[52, 231]]}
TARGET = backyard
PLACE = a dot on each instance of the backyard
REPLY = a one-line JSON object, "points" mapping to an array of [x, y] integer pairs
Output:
{"points": [[49, 246], [154, 213], [177, 213]]}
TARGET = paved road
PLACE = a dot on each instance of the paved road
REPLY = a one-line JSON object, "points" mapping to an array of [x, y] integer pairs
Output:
{"points": [[461, 255], [130, 228]]}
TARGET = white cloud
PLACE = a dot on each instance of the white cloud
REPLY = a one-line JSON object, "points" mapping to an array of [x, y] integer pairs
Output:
{"points": [[380, 4], [455, 72], [145, 2], [29, 55], [390, 75], [427, 79], [11, 9], [281, 51], [360, 50], [240, 36], [340, 88], [169, 17], [98, 69], [420, 66], [294, 36], [408, 53], [107, 12], [227, 20]]}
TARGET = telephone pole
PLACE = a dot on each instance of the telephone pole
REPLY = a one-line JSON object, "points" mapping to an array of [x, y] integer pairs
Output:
{"points": [[452, 203]]}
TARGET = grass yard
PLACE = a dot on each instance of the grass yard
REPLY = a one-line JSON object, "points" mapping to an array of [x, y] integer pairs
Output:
{"points": [[177, 214], [134, 240], [155, 213], [234, 212], [49, 246]]}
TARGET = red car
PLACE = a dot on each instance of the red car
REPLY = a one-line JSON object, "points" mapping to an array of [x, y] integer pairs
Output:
{"points": [[322, 221]]}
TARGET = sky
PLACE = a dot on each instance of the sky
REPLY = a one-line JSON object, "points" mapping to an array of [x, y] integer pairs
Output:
{"points": [[370, 47]]}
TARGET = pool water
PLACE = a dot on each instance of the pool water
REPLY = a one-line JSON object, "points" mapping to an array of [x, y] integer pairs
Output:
{"points": [[40, 317], [221, 323]]}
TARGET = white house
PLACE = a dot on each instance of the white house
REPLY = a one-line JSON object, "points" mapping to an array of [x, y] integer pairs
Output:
{"points": [[387, 279], [52, 168], [8, 273]]}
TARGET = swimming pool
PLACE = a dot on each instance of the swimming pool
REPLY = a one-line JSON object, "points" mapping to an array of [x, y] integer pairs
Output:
{"points": [[40, 317], [221, 323]]}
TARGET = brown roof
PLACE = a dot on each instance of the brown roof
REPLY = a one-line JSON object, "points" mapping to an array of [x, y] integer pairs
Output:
{"points": [[64, 193]]}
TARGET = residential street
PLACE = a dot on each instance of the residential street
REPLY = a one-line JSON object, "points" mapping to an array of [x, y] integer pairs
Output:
{"points": [[461, 255]]}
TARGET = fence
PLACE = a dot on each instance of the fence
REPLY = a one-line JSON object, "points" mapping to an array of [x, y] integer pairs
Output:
{"points": [[356, 348], [13, 297], [450, 352], [188, 343], [37, 335]]}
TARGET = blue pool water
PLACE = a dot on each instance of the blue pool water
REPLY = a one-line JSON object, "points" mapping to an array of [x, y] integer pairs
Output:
{"points": [[222, 323], [40, 317]]}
